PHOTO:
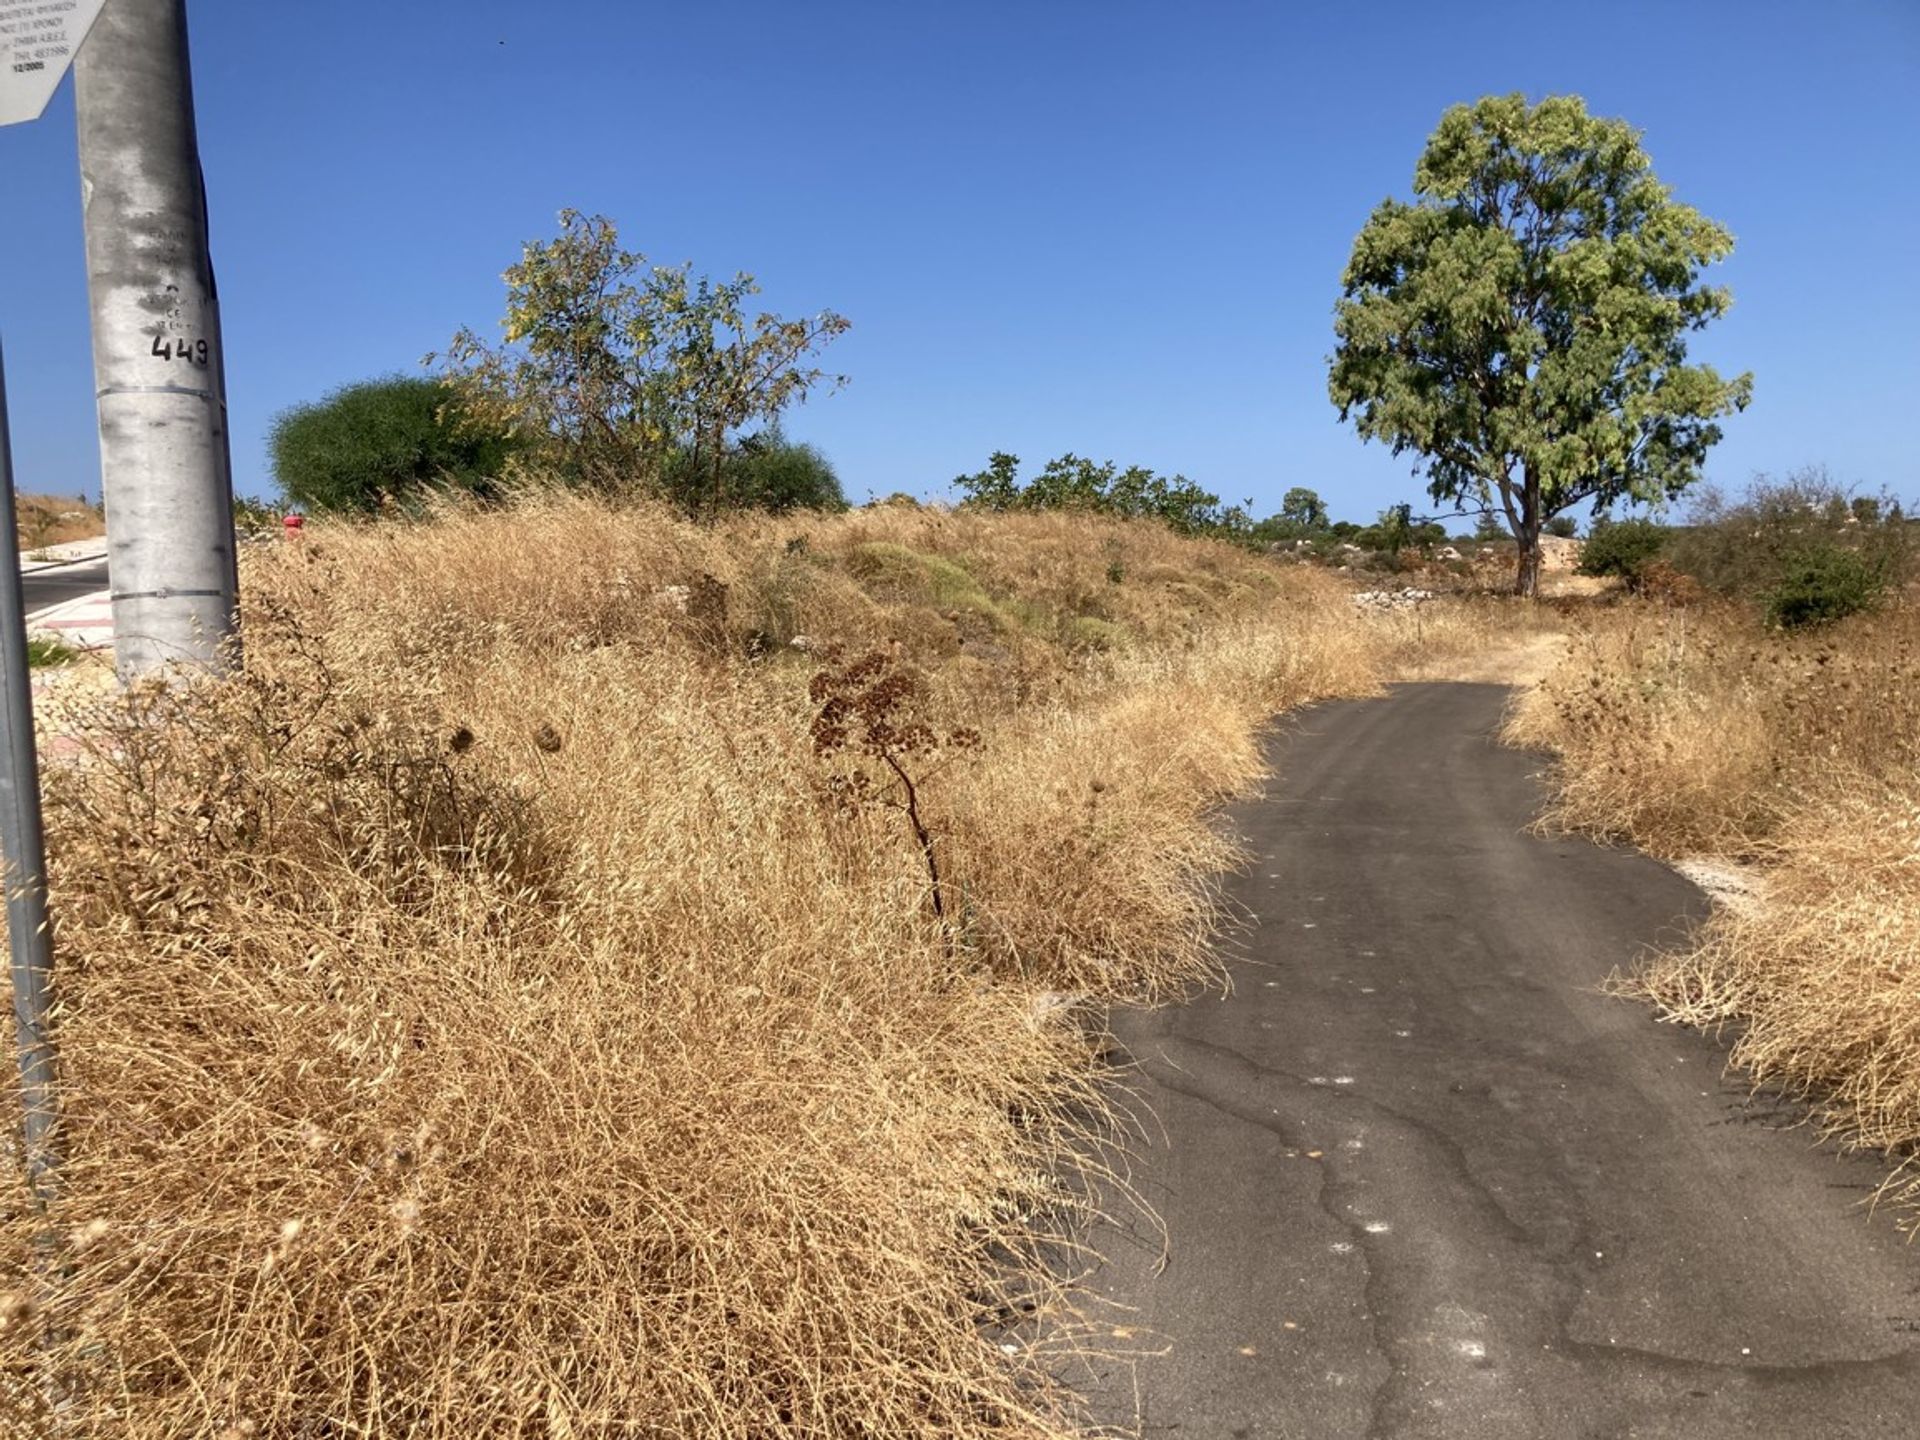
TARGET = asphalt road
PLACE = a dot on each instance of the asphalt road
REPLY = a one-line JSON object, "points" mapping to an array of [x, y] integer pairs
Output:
{"points": [[1419, 1178], [57, 583]]}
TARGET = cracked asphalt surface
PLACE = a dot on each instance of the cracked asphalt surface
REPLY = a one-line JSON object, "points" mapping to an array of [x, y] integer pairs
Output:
{"points": [[1419, 1178]]}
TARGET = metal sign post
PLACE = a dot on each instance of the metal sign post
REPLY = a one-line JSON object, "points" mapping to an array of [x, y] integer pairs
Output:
{"points": [[165, 472], [38, 41], [29, 928]]}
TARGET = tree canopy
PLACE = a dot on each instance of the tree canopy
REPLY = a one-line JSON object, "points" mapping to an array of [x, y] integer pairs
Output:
{"points": [[1521, 324], [628, 376], [1303, 509]]}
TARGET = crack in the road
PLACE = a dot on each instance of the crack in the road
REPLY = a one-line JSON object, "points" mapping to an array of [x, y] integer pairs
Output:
{"points": [[1401, 1303], [1542, 1231]]}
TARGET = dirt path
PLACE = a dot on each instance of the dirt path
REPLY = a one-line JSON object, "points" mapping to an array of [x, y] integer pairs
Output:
{"points": [[1420, 1179]]}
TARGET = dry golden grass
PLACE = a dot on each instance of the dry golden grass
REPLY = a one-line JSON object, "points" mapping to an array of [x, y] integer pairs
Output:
{"points": [[52, 520], [1822, 982], [1698, 733], [1476, 638], [489, 1015]]}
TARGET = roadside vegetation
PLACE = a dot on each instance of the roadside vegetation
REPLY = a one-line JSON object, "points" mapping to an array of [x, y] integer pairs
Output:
{"points": [[385, 444], [517, 1003], [1803, 549], [45, 652], [608, 375], [43, 520], [1767, 712]]}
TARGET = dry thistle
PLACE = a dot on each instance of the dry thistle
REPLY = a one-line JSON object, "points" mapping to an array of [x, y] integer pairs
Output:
{"points": [[872, 708]]}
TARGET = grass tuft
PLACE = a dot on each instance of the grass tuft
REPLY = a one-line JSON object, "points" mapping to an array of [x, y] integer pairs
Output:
{"points": [[46, 651]]}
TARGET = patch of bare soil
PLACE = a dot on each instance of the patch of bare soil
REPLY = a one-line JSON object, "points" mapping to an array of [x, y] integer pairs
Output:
{"points": [[1524, 660], [1728, 883]]}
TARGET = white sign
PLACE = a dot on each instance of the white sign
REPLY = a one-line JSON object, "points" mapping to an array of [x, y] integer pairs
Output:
{"points": [[37, 41]]}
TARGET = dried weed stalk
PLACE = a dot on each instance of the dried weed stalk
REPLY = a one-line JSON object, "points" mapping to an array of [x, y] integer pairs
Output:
{"points": [[872, 710]]}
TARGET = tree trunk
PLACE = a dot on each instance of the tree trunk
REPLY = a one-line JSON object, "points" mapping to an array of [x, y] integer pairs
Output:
{"points": [[1527, 582]]}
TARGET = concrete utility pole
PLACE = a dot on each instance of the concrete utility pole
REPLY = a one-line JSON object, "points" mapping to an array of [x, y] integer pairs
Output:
{"points": [[158, 368]]}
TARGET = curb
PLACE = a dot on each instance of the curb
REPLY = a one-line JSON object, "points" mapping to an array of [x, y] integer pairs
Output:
{"points": [[74, 552], [83, 623]]}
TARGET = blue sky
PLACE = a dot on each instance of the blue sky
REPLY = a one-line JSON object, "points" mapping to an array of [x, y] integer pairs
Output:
{"points": [[1112, 228]]}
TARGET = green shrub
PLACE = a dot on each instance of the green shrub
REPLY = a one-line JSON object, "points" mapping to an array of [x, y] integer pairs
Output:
{"points": [[1623, 548], [767, 471], [632, 378], [1564, 526], [1747, 548], [1302, 516], [390, 441], [1822, 584], [1073, 483]]}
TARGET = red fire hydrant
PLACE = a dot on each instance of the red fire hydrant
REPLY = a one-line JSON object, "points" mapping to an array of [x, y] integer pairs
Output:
{"points": [[293, 524]]}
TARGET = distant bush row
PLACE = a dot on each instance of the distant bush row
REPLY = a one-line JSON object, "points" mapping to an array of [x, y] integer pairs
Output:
{"points": [[1802, 548], [1073, 483]]}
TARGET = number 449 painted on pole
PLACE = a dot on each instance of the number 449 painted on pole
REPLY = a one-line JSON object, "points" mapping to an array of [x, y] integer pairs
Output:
{"points": [[189, 352]]}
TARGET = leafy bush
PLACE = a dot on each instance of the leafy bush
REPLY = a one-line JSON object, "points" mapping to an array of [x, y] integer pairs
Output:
{"points": [[1623, 548], [387, 441], [1823, 584], [764, 471], [1747, 548], [1395, 531], [1302, 516], [1564, 526]]}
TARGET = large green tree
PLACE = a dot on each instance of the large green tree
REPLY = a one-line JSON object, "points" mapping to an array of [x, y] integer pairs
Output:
{"points": [[1522, 323]]}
